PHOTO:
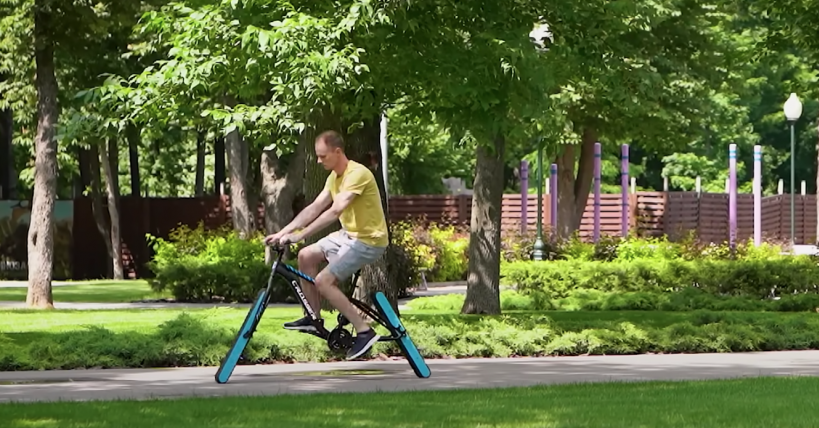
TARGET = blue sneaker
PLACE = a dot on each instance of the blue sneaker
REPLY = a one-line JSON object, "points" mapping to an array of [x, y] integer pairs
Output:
{"points": [[363, 342]]}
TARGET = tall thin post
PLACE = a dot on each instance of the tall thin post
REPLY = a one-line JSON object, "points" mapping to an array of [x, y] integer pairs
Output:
{"points": [[793, 184], [732, 195], [757, 195], [624, 189], [597, 161], [538, 253], [553, 195], [524, 195], [384, 157]]}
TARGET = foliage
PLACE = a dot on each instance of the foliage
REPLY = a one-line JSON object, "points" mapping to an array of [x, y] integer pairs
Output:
{"points": [[199, 265], [755, 278], [684, 300], [441, 251], [421, 153], [196, 340]]}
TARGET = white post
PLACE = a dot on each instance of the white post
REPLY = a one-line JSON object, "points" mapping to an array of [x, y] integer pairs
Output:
{"points": [[633, 185], [757, 195], [804, 188], [665, 184], [781, 187], [698, 185], [384, 164]]}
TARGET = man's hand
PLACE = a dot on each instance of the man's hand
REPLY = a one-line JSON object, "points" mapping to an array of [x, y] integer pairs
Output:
{"points": [[273, 239], [290, 238], [282, 238]]}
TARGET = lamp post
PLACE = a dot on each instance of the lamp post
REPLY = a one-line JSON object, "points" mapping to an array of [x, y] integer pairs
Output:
{"points": [[793, 111], [539, 247]]}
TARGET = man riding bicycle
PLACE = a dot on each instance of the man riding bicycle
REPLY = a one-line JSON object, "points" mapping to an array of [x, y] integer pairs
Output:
{"points": [[354, 199]]}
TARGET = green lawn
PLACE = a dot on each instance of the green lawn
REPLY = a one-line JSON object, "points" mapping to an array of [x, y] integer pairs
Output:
{"points": [[91, 292], [745, 403], [148, 320]]}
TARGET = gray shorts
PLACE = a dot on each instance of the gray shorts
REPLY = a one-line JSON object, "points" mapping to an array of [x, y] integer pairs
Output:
{"points": [[346, 255]]}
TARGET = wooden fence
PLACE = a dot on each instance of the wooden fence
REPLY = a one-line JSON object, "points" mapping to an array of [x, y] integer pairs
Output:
{"points": [[650, 213]]}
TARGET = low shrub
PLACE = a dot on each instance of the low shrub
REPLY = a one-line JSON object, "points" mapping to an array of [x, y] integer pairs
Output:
{"points": [[687, 299], [753, 278], [193, 340], [611, 248], [439, 250], [198, 265]]}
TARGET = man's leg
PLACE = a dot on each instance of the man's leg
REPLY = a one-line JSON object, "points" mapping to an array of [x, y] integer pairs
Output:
{"points": [[352, 256], [309, 259]]}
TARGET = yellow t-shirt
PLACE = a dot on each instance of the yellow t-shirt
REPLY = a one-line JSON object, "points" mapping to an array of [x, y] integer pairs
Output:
{"points": [[364, 218]]}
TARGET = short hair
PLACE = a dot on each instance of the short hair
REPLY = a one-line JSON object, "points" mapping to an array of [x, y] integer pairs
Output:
{"points": [[332, 139]]}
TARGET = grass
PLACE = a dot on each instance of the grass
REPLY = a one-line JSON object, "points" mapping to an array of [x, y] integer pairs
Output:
{"points": [[735, 403], [91, 292], [14, 322]]}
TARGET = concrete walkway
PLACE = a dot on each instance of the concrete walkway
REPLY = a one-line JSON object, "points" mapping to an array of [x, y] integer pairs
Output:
{"points": [[396, 376]]}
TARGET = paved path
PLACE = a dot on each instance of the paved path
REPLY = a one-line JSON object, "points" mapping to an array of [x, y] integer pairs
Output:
{"points": [[396, 375]]}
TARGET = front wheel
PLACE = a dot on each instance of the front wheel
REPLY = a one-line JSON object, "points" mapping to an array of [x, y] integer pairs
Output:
{"points": [[242, 338]]}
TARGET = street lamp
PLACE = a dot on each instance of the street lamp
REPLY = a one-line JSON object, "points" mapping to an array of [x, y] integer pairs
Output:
{"points": [[793, 110], [538, 253]]}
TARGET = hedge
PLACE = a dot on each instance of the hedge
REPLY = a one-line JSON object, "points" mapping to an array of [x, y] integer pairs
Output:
{"points": [[195, 341], [685, 300], [753, 278]]}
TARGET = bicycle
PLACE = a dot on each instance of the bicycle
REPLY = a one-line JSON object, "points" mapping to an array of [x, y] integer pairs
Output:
{"points": [[338, 339]]}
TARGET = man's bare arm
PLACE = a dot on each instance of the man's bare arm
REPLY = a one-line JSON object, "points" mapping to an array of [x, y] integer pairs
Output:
{"points": [[309, 213], [341, 202]]}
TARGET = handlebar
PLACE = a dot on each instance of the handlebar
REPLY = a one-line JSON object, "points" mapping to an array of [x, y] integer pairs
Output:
{"points": [[279, 249]]}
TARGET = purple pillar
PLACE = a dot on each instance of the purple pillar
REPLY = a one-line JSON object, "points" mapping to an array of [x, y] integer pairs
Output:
{"points": [[524, 195], [597, 160], [757, 195], [732, 195], [553, 194], [624, 188]]}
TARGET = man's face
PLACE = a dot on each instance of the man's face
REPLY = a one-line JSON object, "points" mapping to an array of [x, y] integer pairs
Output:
{"points": [[326, 155]]}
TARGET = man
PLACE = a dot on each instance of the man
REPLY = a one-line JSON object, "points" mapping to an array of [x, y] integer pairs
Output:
{"points": [[353, 198]]}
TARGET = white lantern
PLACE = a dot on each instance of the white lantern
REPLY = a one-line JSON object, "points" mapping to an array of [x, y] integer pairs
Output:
{"points": [[793, 108]]}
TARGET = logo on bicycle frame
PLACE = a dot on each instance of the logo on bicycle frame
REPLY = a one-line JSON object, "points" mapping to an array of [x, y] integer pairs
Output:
{"points": [[303, 298]]}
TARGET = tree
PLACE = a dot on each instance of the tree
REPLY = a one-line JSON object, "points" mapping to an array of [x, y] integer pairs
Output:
{"points": [[41, 228], [649, 81]]}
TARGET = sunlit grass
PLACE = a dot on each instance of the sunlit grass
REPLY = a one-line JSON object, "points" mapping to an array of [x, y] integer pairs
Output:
{"points": [[745, 403], [91, 292]]}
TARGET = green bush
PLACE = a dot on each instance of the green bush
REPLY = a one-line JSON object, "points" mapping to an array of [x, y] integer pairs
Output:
{"points": [[199, 265], [610, 248], [687, 299], [753, 278], [440, 250], [191, 340]]}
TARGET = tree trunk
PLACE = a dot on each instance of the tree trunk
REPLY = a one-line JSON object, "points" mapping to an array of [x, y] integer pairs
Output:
{"points": [[110, 165], [573, 191], [41, 227], [244, 219], [282, 180], [218, 165], [315, 175], [483, 280], [364, 147], [134, 139], [97, 207], [7, 173], [199, 185]]}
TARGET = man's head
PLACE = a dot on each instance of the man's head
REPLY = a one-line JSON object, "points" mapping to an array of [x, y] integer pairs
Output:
{"points": [[330, 150]]}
